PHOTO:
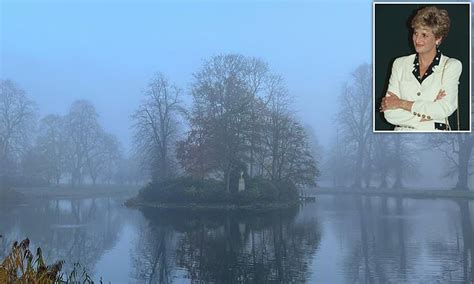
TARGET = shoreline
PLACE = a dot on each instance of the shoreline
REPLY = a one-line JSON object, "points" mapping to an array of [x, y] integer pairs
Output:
{"points": [[138, 204], [404, 192], [86, 191], [89, 191]]}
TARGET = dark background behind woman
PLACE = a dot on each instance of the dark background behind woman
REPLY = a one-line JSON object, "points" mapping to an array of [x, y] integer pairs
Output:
{"points": [[393, 39]]}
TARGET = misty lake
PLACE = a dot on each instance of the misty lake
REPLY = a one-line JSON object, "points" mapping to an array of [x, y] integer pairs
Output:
{"points": [[337, 239]]}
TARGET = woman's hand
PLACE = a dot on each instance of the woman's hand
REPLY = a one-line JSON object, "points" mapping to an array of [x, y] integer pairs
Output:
{"points": [[390, 101], [441, 94]]}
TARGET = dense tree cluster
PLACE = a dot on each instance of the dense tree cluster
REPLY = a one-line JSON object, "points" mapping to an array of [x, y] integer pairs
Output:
{"points": [[72, 148], [240, 122], [361, 158]]}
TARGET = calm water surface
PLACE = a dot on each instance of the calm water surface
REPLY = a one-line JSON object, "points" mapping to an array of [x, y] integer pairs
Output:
{"points": [[333, 240]]}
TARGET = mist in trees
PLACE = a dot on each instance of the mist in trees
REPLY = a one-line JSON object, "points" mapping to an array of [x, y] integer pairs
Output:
{"points": [[70, 149], [360, 158], [17, 118], [156, 127], [457, 151], [240, 121]]}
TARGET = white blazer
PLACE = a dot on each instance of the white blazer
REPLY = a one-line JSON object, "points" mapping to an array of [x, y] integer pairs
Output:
{"points": [[403, 83]]}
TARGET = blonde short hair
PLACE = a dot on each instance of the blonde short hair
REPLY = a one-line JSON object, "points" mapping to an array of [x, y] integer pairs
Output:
{"points": [[434, 18]]}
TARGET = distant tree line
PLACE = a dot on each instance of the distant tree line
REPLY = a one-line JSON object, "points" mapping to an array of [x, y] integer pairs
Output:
{"points": [[73, 148], [240, 121], [360, 158]]}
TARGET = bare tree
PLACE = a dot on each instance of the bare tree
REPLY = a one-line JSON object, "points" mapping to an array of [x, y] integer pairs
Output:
{"points": [[404, 158], [393, 157], [457, 150], [103, 157], [355, 116], [258, 80], [381, 157], [295, 160], [17, 118], [240, 118], [376, 155], [222, 113], [156, 127], [51, 144], [276, 121], [339, 163], [83, 130], [285, 153]]}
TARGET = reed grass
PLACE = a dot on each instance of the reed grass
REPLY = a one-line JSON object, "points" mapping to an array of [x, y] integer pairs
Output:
{"points": [[22, 266]]}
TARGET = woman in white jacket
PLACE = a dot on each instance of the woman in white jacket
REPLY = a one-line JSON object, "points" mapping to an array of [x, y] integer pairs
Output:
{"points": [[423, 87]]}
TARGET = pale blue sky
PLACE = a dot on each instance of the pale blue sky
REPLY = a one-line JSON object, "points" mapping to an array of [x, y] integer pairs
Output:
{"points": [[106, 51]]}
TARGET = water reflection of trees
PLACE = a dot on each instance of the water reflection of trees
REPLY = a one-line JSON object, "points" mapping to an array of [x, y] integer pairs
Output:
{"points": [[467, 241], [153, 257], [384, 242], [226, 246], [378, 249], [458, 249], [71, 230]]}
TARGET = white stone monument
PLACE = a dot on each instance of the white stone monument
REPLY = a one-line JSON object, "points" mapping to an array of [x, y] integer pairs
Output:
{"points": [[241, 182]]}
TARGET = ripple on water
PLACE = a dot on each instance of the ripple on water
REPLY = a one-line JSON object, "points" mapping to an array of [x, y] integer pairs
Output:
{"points": [[68, 226]]}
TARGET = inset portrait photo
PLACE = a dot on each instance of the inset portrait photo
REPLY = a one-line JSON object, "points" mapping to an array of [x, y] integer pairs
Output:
{"points": [[422, 67]]}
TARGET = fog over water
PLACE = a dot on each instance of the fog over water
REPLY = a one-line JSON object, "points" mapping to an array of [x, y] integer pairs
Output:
{"points": [[335, 239], [287, 80], [107, 51]]}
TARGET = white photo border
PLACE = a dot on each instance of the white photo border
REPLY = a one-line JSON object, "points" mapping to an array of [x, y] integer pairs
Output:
{"points": [[373, 66]]}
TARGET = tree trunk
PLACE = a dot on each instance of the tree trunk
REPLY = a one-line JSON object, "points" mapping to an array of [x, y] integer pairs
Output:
{"points": [[164, 159], [464, 155], [468, 240], [398, 163], [463, 174], [227, 178], [383, 184], [358, 170], [463, 171]]}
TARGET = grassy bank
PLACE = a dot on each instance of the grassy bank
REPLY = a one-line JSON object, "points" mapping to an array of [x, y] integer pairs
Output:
{"points": [[9, 195], [185, 192], [87, 191], [401, 192], [137, 203]]}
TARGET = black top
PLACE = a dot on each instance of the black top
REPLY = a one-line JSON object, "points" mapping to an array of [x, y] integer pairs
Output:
{"points": [[416, 66]]}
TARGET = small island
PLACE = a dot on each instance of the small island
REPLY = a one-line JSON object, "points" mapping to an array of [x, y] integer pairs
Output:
{"points": [[243, 147], [187, 192]]}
